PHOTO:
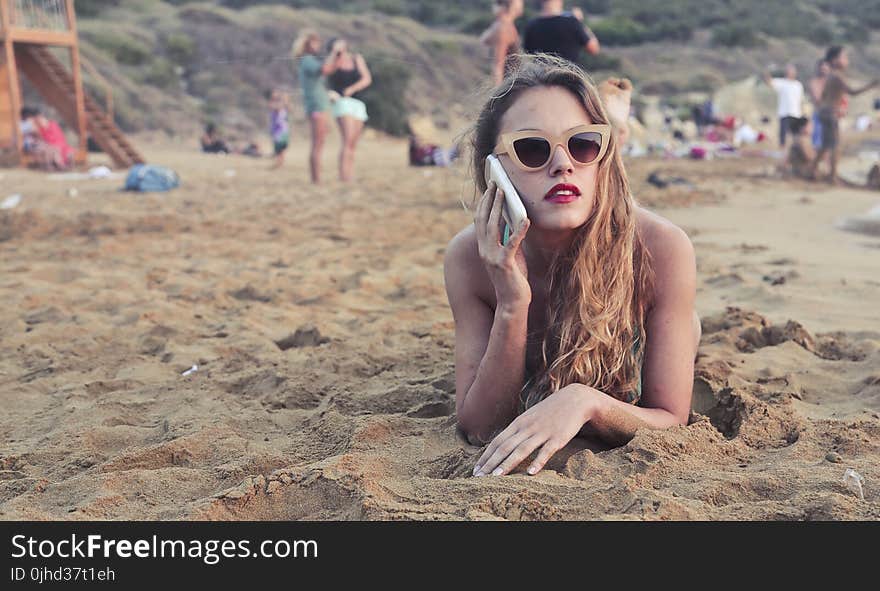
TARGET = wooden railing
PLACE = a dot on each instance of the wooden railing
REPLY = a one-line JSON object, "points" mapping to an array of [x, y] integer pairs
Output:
{"points": [[47, 15]]}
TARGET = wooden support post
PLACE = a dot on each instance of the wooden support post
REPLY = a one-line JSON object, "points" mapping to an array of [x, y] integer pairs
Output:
{"points": [[12, 75]]}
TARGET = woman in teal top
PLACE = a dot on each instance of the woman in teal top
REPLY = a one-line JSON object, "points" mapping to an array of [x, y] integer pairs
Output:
{"points": [[312, 70]]}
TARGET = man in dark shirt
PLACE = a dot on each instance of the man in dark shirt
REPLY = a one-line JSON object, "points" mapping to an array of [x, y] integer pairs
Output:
{"points": [[560, 33]]}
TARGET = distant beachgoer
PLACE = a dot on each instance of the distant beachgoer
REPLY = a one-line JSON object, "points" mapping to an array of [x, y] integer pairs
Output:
{"points": [[801, 152], [559, 33], [347, 76], [312, 70], [502, 35], [279, 124], [790, 96], [616, 96], [212, 143], [832, 106], [583, 322], [817, 86], [423, 153], [44, 140]]}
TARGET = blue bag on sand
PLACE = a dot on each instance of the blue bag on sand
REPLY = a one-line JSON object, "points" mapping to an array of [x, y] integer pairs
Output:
{"points": [[148, 177]]}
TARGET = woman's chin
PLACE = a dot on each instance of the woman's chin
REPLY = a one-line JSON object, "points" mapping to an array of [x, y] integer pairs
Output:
{"points": [[559, 222]]}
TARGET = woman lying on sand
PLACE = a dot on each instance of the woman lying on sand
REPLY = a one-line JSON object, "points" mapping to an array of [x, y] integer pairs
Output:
{"points": [[584, 322]]}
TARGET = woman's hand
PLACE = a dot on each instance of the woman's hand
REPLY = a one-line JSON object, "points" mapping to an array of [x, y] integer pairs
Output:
{"points": [[549, 425], [333, 96], [506, 265]]}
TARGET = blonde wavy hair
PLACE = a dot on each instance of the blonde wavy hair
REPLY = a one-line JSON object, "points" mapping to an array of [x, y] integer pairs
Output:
{"points": [[298, 49], [600, 287]]}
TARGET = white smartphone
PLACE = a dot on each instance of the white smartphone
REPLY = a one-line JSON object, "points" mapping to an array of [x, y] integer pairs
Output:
{"points": [[513, 211]]}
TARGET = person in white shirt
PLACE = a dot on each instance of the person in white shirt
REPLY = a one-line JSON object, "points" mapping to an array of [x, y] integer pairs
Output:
{"points": [[790, 95]]}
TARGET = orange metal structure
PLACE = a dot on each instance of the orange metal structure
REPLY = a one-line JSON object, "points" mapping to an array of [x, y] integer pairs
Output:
{"points": [[27, 29]]}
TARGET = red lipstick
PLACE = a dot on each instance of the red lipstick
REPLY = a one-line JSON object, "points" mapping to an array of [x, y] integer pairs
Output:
{"points": [[563, 193]]}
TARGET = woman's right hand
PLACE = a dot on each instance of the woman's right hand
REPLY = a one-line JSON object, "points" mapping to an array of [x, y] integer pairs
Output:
{"points": [[505, 264]]}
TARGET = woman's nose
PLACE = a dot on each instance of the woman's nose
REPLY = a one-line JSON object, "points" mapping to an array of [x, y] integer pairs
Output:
{"points": [[560, 163]]}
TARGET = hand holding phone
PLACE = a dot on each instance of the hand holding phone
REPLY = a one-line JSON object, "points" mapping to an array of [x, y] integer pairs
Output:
{"points": [[513, 211]]}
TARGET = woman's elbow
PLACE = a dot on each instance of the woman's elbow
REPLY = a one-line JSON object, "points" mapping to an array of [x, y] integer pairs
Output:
{"points": [[472, 429]]}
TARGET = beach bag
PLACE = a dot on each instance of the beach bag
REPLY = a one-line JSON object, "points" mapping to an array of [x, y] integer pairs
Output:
{"points": [[149, 178]]}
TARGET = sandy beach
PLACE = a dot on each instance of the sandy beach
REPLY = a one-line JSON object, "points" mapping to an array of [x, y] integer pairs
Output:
{"points": [[318, 322]]}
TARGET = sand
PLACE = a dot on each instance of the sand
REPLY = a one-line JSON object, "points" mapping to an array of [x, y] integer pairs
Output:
{"points": [[318, 321]]}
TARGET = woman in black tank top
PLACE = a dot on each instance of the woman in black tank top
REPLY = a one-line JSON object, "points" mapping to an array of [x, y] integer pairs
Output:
{"points": [[347, 77], [341, 79]]}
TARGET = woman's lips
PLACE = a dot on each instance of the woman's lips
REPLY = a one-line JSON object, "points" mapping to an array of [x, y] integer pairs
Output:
{"points": [[563, 193]]}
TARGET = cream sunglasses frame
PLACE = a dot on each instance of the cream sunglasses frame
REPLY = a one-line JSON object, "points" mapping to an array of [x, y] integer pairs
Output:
{"points": [[506, 141]]}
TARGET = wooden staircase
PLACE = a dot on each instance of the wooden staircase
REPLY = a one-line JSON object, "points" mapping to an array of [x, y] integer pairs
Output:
{"points": [[56, 85]]}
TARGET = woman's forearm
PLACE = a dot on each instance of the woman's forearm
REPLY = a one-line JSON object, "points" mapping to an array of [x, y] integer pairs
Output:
{"points": [[357, 87], [616, 422], [492, 399]]}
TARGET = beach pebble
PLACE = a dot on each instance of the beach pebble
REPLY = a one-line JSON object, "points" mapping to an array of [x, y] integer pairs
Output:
{"points": [[73, 192], [833, 456]]}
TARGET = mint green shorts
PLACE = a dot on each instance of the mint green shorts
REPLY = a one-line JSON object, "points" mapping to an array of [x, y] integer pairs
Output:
{"points": [[350, 107]]}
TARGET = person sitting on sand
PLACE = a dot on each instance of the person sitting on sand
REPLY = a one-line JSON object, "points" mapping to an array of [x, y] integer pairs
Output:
{"points": [[584, 321], [559, 33], [211, 141], [502, 35], [616, 96], [801, 153], [832, 106], [37, 130], [422, 153]]}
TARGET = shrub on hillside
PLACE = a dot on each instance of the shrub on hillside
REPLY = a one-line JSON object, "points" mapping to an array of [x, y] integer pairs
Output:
{"points": [[124, 49], [386, 97], [620, 31], [180, 48], [736, 36]]}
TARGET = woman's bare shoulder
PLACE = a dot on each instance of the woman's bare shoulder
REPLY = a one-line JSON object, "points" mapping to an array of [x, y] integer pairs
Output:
{"points": [[463, 264], [672, 253], [660, 236]]}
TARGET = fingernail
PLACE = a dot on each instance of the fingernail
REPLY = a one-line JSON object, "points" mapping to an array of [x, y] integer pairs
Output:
{"points": [[533, 470], [479, 474], [497, 472]]}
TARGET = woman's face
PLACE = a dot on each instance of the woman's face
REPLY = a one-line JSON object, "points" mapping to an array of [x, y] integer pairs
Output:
{"points": [[314, 45], [553, 110]]}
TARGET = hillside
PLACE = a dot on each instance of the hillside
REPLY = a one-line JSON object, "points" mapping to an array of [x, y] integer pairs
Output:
{"points": [[174, 67]]}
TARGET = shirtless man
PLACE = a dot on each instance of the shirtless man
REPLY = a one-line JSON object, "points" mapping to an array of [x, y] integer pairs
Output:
{"points": [[502, 35], [834, 95]]}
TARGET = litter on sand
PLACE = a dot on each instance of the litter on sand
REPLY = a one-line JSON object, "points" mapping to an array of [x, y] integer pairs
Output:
{"points": [[854, 481], [191, 370], [11, 201]]}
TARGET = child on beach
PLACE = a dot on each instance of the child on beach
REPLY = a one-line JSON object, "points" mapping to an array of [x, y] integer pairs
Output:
{"points": [[279, 125], [583, 322]]}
